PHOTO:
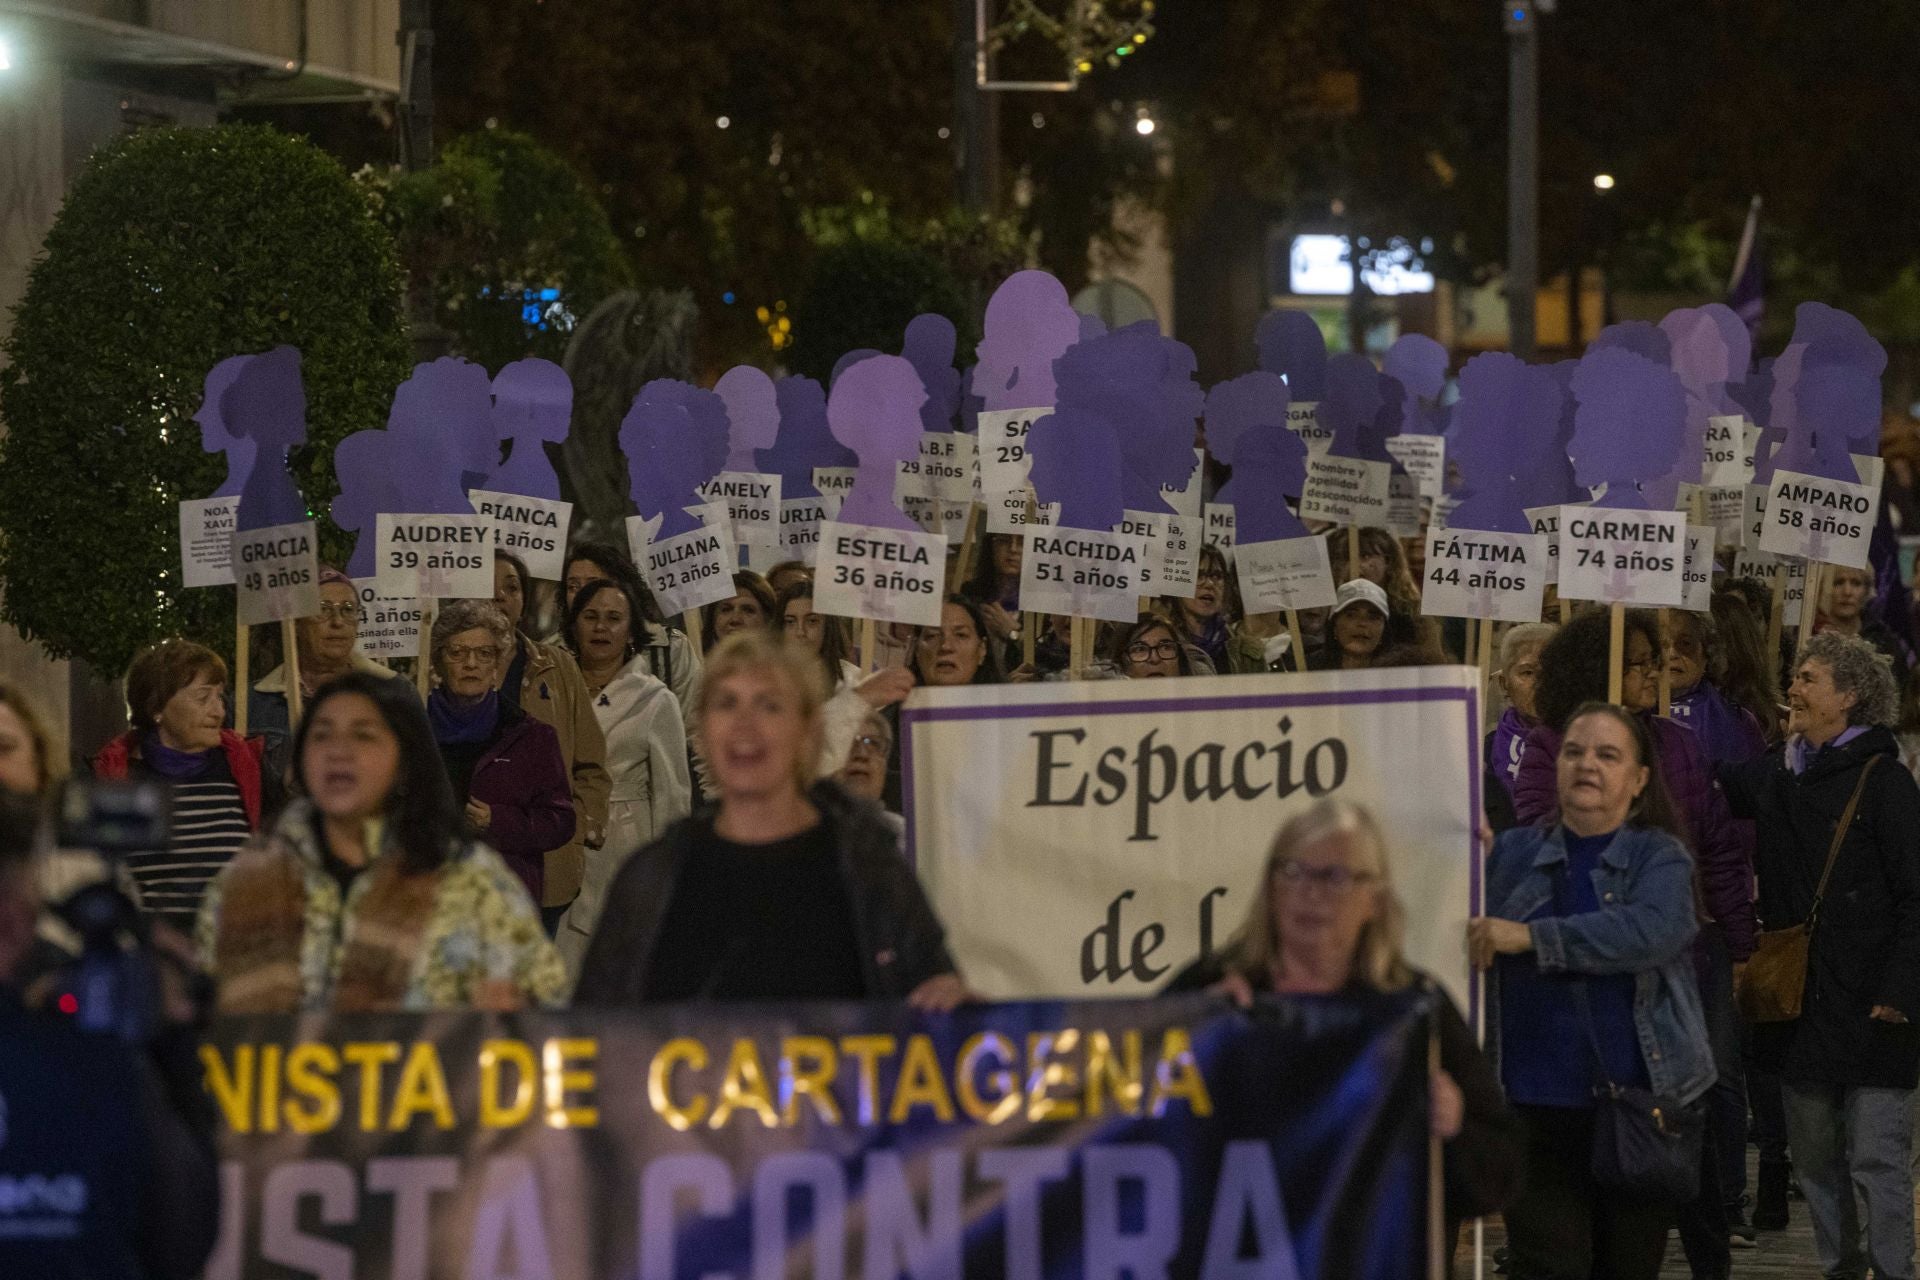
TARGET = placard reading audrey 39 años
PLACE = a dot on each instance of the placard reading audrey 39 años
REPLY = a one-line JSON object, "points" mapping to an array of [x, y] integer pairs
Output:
{"points": [[433, 556]]}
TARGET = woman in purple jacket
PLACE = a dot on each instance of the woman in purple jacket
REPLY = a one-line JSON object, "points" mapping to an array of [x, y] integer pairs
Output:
{"points": [[507, 771], [1573, 671]]}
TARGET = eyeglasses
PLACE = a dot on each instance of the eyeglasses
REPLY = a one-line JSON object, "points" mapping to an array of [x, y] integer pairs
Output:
{"points": [[1211, 575], [1163, 651], [479, 652], [340, 612], [1643, 666], [1335, 880]]}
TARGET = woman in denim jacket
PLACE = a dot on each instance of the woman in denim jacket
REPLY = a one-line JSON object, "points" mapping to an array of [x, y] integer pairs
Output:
{"points": [[1604, 897]]}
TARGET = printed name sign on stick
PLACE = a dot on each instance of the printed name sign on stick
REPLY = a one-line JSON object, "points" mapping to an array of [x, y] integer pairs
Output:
{"points": [[535, 529], [389, 628], [1697, 584], [1623, 557], [1288, 573], [889, 575], [278, 574], [1476, 574], [686, 571], [1030, 322], [434, 557], [1818, 519], [275, 567], [206, 540], [1084, 573], [804, 449]]}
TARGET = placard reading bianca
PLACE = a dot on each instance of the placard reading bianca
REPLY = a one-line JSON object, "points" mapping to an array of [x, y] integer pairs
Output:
{"points": [[206, 541], [389, 628], [278, 574], [1697, 576], [433, 557], [1472, 573], [1818, 519], [685, 571], [1620, 556], [1085, 573], [1003, 447], [1173, 551], [751, 500], [535, 529], [1346, 490], [1425, 458], [1292, 573], [889, 575]]}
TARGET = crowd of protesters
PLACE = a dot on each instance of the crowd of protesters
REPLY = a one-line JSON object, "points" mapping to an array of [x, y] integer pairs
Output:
{"points": [[594, 803]]}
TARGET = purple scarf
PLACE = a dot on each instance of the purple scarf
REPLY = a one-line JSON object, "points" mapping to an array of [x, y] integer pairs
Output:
{"points": [[454, 723], [174, 766], [1509, 740]]}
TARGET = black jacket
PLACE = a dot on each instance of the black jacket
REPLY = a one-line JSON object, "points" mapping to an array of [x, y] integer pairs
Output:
{"points": [[902, 943], [1483, 1164], [111, 1147], [1866, 944]]}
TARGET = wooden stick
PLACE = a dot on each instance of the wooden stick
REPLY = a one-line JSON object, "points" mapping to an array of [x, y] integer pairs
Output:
{"points": [[963, 567], [423, 665], [242, 686], [1030, 624], [1809, 598], [1486, 654], [1077, 639], [290, 642], [690, 623], [1439, 1248], [1566, 611], [869, 646], [1616, 649], [1353, 551], [1664, 708], [1776, 620], [1299, 647]]}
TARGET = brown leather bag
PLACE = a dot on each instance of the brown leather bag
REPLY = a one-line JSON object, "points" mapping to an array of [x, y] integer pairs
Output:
{"points": [[1771, 985]]}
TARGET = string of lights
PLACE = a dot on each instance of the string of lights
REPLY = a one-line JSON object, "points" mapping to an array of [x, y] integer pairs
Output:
{"points": [[1092, 31]]}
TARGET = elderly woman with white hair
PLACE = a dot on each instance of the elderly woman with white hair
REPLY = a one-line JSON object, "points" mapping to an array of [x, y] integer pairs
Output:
{"points": [[1324, 920], [1838, 853], [506, 768]]}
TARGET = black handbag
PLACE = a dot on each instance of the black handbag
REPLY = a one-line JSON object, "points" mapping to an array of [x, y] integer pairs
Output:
{"points": [[1646, 1146]]}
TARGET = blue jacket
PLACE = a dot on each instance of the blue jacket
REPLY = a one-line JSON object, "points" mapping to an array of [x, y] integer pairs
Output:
{"points": [[1645, 927]]}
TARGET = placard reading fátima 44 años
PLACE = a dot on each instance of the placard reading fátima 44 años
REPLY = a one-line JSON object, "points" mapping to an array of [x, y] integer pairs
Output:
{"points": [[1472, 573], [206, 541], [1084, 573], [1346, 490], [278, 575], [751, 500], [1818, 519], [685, 571], [535, 529], [434, 557], [889, 575], [1290, 573], [1620, 556]]}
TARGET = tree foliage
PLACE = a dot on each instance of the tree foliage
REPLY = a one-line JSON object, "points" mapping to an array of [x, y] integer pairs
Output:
{"points": [[176, 248]]}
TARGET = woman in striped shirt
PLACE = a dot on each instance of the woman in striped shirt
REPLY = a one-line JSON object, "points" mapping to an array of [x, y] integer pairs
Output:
{"points": [[176, 698]]}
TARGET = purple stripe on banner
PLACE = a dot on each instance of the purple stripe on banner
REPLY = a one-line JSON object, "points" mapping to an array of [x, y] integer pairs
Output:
{"points": [[1041, 711]]}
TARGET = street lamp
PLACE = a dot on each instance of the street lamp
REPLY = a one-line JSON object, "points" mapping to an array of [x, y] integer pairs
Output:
{"points": [[6, 55], [1603, 182], [1144, 126]]}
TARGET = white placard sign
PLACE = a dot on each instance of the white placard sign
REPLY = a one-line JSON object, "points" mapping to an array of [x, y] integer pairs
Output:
{"points": [[1730, 445], [1291, 573], [277, 573], [834, 483], [535, 529], [1186, 499], [1090, 838], [206, 541], [751, 500], [889, 575], [1696, 585], [1219, 530], [1546, 523], [434, 557], [1003, 447], [800, 520], [1425, 458], [1622, 556], [1818, 519], [1084, 573], [1473, 573], [943, 470], [1017, 512], [389, 628], [1762, 567], [1173, 551], [1725, 507], [687, 571], [1303, 419], [1346, 490], [1403, 506]]}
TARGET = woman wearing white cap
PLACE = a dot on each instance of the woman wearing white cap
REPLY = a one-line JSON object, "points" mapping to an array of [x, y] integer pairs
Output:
{"points": [[1357, 630]]}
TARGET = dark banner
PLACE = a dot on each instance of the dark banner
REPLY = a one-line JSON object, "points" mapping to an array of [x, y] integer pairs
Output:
{"points": [[1097, 1139]]}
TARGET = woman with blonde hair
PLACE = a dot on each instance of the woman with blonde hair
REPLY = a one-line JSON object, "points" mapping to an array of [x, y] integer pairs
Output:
{"points": [[1325, 921], [784, 888]]}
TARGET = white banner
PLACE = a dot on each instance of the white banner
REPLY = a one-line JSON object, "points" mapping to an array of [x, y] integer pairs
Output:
{"points": [[889, 575], [206, 541], [434, 557], [1621, 556], [1092, 838], [1472, 573], [535, 529], [278, 573], [1084, 573], [389, 628], [1818, 519]]}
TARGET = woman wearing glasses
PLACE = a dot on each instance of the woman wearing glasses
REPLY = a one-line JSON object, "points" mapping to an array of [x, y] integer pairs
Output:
{"points": [[328, 647], [505, 767], [1324, 921], [1148, 650]]}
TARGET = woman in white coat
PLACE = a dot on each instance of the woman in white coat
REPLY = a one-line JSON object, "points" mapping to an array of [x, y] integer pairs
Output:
{"points": [[646, 746]]}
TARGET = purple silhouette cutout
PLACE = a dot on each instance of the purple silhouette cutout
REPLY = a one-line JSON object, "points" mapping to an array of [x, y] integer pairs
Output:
{"points": [[970, 404], [847, 362], [1355, 397], [1029, 324], [443, 435], [1291, 345], [805, 440], [875, 411], [929, 348], [214, 435], [1628, 427], [1076, 463], [1542, 471], [753, 415], [266, 404], [1705, 363], [1419, 364], [675, 439], [1507, 407], [532, 408], [1142, 384], [1091, 327], [1829, 394], [1642, 337], [363, 465], [1247, 429]]}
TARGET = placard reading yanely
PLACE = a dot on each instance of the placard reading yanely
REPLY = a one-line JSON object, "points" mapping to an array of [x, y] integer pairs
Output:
{"points": [[751, 500], [535, 529], [434, 557], [1472, 573], [1172, 1137], [1093, 837], [1620, 556], [1818, 519], [889, 575], [277, 573], [1084, 573]]}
